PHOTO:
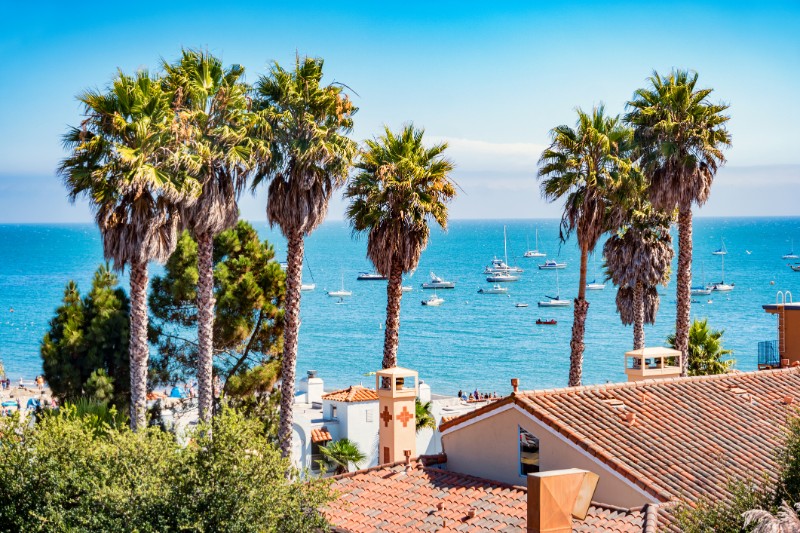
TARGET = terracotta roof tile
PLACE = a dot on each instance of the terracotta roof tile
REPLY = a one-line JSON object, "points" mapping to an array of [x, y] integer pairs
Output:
{"points": [[320, 435], [689, 434], [355, 393], [400, 497]]}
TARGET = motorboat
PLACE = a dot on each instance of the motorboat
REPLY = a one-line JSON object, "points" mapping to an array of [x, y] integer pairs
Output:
{"points": [[535, 252], [341, 293], [552, 264], [501, 277], [555, 301], [796, 268], [433, 301], [498, 266], [438, 283], [701, 290], [791, 254], [406, 288], [721, 286], [520, 305], [720, 251], [551, 322], [370, 276], [308, 286], [495, 289]]}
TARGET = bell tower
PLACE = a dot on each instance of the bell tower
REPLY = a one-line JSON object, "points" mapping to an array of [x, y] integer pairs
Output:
{"points": [[397, 433]]}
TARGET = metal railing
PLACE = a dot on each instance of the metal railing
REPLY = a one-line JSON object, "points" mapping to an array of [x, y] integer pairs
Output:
{"points": [[768, 354]]}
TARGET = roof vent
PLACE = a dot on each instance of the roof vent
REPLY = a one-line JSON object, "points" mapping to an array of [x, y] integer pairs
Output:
{"points": [[615, 404], [788, 400], [738, 391]]}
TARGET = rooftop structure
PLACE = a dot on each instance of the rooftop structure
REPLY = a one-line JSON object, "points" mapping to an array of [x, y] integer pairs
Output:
{"points": [[655, 362], [785, 350]]}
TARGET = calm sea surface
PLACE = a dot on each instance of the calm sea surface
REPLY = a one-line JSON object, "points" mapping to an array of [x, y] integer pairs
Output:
{"points": [[472, 340]]}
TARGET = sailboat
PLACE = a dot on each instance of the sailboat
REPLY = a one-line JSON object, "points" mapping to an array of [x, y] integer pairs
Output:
{"points": [[593, 285], [720, 251], [791, 254], [535, 252], [308, 286], [721, 286], [341, 293], [555, 301], [703, 289], [498, 266]]}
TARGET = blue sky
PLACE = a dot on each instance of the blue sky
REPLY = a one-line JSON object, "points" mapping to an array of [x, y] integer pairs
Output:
{"points": [[489, 79]]}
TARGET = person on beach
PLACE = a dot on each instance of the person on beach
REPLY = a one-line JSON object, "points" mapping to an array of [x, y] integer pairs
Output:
{"points": [[40, 382]]}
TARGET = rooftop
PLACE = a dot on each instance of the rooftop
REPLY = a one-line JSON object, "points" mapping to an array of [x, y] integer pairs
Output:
{"points": [[354, 393]]}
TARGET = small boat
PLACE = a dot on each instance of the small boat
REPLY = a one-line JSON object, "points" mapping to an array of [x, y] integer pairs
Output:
{"points": [[593, 285], [308, 286], [721, 286], [495, 289], [535, 252], [520, 305], [501, 266], [438, 283], [551, 322], [701, 290], [501, 277], [370, 276], [406, 288], [552, 264], [433, 301], [555, 301], [341, 293], [284, 265], [720, 251], [796, 268], [791, 254]]}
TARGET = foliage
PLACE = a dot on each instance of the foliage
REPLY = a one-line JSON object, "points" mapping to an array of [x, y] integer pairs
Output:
{"points": [[423, 416], [99, 386], [341, 454], [713, 515], [785, 520], [705, 350], [249, 288], [788, 487], [63, 475], [251, 393], [88, 342]]}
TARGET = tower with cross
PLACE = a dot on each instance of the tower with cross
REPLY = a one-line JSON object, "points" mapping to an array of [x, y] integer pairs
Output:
{"points": [[397, 433]]}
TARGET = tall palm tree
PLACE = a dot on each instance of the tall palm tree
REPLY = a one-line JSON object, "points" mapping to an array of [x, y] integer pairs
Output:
{"points": [[121, 161], [311, 157], [638, 257], [341, 454], [581, 165], [680, 135], [785, 520], [401, 186], [223, 141]]}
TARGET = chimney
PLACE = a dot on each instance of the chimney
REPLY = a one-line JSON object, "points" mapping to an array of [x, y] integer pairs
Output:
{"points": [[314, 388], [555, 497], [424, 392], [515, 384]]}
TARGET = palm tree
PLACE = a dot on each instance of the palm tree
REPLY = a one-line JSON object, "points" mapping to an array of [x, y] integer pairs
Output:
{"points": [[423, 416], [705, 350], [311, 157], [680, 134], [400, 187], [786, 520], [638, 257], [581, 165], [220, 137], [341, 454], [120, 160]]}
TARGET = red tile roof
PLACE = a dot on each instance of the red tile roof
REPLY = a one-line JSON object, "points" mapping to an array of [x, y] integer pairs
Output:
{"points": [[395, 497], [355, 393], [673, 437], [320, 435]]}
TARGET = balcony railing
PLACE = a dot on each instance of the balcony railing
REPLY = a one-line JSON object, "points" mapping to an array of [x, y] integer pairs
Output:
{"points": [[768, 354]]}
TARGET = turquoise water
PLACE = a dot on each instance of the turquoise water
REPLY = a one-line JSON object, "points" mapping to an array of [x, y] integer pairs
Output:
{"points": [[472, 340]]}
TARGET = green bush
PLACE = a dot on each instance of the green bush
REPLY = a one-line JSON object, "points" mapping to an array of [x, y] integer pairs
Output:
{"points": [[65, 475]]}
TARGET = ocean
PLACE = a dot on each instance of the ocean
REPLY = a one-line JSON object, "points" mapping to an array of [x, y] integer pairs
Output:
{"points": [[471, 340]]}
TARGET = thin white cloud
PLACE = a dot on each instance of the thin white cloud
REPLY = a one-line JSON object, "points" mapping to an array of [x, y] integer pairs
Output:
{"points": [[472, 155]]}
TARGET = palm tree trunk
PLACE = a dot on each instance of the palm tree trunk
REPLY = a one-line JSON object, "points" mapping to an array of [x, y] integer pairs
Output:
{"points": [[139, 348], [291, 330], [638, 316], [579, 326], [205, 323], [684, 309], [394, 293]]}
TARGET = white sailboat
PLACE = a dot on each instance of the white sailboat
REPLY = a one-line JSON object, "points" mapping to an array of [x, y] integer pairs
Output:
{"points": [[341, 293], [308, 286], [495, 289], [791, 254], [535, 252], [721, 286], [498, 266], [701, 290], [406, 288], [555, 301], [720, 251], [593, 285]]}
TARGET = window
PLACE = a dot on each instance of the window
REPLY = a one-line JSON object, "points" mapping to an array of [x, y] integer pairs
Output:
{"points": [[316, 457], [528, 453], [333, 411], [369, 415]]}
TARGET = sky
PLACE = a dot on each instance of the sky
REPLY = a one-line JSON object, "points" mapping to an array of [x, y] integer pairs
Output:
{"points": [[489, 78]]}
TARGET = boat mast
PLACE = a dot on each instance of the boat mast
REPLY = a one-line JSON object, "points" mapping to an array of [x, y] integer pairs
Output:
{"points": [[505, 248]]}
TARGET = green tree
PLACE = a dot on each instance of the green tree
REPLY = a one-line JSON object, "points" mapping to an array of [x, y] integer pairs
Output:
{"points": [[249, 288], [311, 157], [705, 350], [423, 416], [680, 135], [88, 342], [120, 159], [223, 142], [341, 454], [401, 187], [581, 165]]}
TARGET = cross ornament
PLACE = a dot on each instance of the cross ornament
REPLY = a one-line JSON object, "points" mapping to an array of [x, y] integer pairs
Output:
{"points": [[405, 416], [386, 417]]}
